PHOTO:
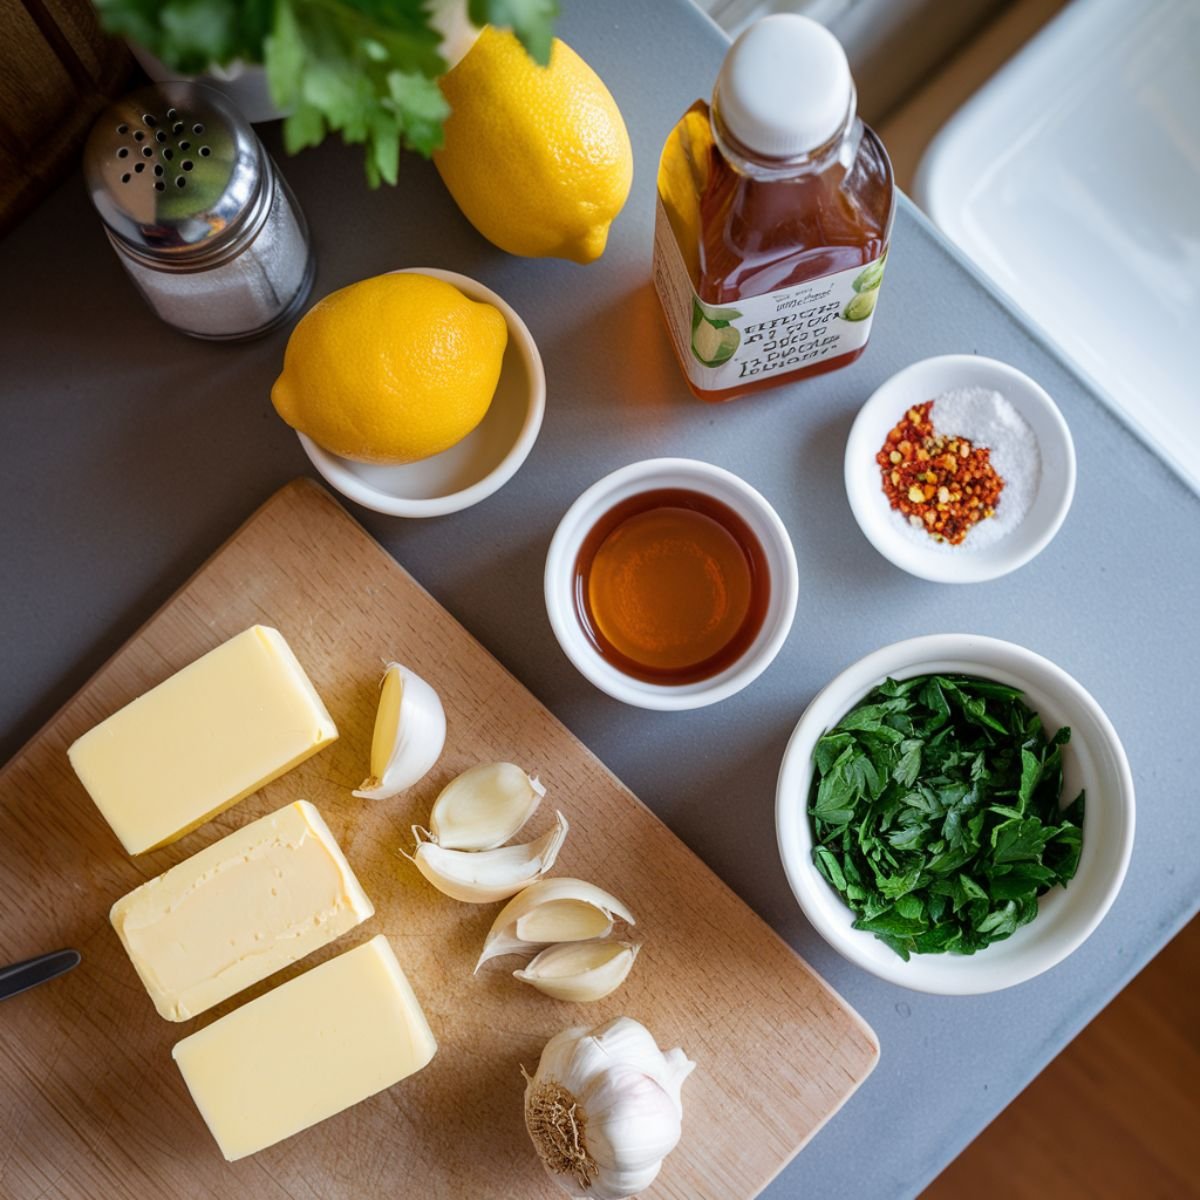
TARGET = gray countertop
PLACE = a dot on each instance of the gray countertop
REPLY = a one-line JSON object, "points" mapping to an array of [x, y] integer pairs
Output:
{"points": [[128, 453]]}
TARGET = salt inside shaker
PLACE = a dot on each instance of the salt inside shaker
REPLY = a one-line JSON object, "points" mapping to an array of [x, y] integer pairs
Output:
{"points": [[197, 212]]}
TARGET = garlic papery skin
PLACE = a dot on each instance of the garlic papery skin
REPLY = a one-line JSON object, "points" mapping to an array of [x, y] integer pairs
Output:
{"points": [[604, 1109], [553, 910], [484, 806], [482, 876], [580, 972], [449, 18], [410, 731]]}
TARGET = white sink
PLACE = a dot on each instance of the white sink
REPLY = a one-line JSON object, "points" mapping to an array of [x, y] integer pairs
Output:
{"points": [[1073, 179]]}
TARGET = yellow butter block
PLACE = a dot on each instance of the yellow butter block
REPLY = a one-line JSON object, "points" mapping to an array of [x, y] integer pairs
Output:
{"points": [[266, 895], [307, 1050], [202, 740]]}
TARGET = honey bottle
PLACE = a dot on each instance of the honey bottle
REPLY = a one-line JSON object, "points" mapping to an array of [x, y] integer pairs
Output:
{"points": [[775, 206]]}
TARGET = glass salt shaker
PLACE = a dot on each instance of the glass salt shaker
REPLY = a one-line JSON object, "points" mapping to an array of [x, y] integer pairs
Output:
{"points": [[197, 212]]}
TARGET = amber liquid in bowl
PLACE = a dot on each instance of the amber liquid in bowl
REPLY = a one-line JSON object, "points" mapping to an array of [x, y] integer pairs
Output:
{"points": [[671, 586]]}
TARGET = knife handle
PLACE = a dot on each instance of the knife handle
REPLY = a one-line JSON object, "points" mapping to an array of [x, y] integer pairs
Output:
{"points": [[20, 976]]}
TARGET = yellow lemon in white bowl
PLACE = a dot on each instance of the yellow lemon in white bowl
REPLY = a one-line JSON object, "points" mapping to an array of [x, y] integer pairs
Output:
{"points": [[392, 369], [477, 465]]}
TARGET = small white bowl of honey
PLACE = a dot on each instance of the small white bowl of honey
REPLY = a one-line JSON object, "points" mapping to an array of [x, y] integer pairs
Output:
{"points": [[671, 584]]}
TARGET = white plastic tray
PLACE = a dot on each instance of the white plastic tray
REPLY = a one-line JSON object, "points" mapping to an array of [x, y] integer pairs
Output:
{"points": [[1073, 179]]}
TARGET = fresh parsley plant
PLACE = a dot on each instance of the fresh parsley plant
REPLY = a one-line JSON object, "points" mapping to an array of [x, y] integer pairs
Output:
{"points": [[935, 813], [366, 69]]}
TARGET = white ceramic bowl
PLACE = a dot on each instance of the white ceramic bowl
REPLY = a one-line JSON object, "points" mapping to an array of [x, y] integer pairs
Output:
{"points": [[1094, 759], [648, 476], [926, 380], [483, 462]]}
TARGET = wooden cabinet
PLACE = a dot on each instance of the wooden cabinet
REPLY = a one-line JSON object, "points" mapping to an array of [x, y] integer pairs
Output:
{"points": [[57, 71]]}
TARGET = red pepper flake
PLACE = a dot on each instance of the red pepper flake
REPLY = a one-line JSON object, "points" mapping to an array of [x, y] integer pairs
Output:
{"points": [[942, 484]]}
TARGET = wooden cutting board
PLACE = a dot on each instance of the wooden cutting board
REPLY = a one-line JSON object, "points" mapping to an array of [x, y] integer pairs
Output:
{"points": [[92, 1106]]}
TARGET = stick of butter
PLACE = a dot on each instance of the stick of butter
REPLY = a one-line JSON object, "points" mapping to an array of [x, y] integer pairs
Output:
{"points": [[202, 740], [307, 1050], [266, 895]]}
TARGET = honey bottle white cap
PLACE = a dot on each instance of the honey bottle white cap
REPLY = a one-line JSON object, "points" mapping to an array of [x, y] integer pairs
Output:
{"points": [[785, 87]]}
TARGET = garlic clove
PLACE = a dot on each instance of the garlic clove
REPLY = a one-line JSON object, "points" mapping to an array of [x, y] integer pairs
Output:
{"points": [[410, 731], [552, 910], [614, 1184], [482, 876], [484, 806], [563, 921], [628, 1041], [633, 1123], [580, 972], [603, 1108]]}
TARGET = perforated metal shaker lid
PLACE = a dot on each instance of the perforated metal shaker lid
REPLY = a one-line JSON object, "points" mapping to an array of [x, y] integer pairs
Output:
{"points": [[174, 170]]}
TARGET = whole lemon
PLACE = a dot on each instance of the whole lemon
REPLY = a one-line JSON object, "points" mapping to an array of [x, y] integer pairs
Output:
{"points": [[537, 158], [391, 369]]}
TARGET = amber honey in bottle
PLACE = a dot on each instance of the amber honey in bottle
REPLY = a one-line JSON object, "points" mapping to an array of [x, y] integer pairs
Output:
{"points": [[671, 586], [774, 211]]}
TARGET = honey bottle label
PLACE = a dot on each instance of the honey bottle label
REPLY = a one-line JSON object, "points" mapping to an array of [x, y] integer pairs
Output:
{"points": [[757, 337]]}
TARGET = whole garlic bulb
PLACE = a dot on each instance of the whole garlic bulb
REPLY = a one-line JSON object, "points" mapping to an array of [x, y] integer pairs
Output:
{"points": [[604, 1108]]}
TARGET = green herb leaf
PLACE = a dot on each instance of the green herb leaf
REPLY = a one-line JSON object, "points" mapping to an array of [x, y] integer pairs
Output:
{"points": [[896, 688], [531, 20], [1031, 773], [366, 69], [829, 866], [305, 127], [384, 143], [935, 806], [895, 886], [934, 699], [908, 766], [191, 35], [971, 890], [420, 108], [1001, 922], [1018, 840], [829, 749], [283, 57], [834, 799], [867, 717], [200, 31], [1020, 880], [910, 838]]}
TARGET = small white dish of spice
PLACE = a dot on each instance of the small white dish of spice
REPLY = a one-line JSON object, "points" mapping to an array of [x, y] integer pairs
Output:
{"points": [[960, 469]]}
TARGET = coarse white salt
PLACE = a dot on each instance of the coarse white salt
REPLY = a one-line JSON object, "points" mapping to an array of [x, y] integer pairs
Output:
{"points": [[985, 418]]}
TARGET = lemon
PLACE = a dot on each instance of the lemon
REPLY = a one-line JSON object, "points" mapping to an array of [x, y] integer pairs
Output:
{"points": [[391, 369], [537, 158]]}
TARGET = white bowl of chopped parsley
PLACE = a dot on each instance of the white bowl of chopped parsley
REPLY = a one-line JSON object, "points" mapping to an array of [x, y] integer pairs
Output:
{"points": [[955, 813]]}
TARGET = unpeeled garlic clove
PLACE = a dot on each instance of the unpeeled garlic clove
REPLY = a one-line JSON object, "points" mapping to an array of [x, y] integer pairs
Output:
{"points": [[410, 731], [552, 910], [580, 971], [484, 806], [481, 876]]}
